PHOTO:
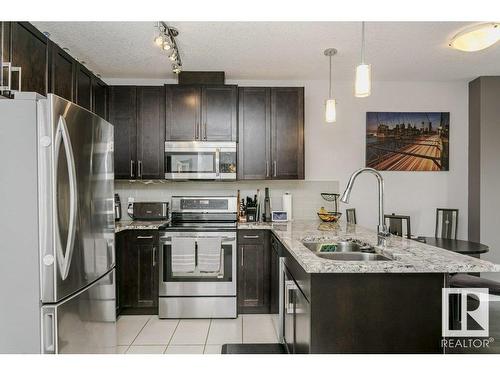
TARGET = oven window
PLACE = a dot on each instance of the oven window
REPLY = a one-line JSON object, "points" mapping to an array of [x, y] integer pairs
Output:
{"points": [[190, 162], [225, 274]]}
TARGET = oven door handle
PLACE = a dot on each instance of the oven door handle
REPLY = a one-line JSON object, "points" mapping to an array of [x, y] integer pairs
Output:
{"points": [[168, 240]]}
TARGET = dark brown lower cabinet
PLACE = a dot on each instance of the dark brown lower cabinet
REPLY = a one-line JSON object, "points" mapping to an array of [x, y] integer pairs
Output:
{"points": [[137, 264], [254, 266]]}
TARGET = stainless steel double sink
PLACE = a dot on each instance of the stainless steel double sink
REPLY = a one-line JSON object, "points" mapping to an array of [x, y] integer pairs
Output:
{"points": [[348, 250]]}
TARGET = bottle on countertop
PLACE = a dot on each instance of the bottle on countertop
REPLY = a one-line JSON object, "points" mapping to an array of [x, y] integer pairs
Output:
{"points": [[267, 207], [130, 207]]}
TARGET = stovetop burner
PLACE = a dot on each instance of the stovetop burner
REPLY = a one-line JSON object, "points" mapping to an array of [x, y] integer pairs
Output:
{"points": [[202, 214]]}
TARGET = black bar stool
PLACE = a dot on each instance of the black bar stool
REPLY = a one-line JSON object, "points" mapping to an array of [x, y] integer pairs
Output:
{"points": [[446, 223], [396, 225], [350, 214]]}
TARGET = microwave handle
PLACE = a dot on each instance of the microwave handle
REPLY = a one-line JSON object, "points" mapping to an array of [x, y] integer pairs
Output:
{"points": [[217, 162]]}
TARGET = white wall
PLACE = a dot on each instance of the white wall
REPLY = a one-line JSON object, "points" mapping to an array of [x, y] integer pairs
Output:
{"points": [[334, 151]]}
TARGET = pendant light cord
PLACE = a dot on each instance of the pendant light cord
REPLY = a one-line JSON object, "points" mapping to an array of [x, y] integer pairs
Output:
{"points": [[362, 42], [330, 81]]}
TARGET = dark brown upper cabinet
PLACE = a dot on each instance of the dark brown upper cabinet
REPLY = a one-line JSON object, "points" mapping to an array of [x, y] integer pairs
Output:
{"points": [[183, 115], [271, 133], [219, 110], [62, 72], [201, 113], [100, 98], [29, 52], [123, 115], [287, 133], [254, 147], [84, 87], [150, 131], [45, 68], [138, 114]]}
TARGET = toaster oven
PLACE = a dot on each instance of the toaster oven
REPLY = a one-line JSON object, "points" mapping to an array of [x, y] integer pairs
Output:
{"points": [[150, 211]]}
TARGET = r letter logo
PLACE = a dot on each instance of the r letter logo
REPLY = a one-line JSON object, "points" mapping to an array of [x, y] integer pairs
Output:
{"points": [[465, 312]]}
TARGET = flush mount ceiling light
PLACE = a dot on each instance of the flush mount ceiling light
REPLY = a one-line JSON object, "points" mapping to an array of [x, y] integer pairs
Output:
{"points": [[477, 37], [165, 39], [330, 103], [363, 81]]}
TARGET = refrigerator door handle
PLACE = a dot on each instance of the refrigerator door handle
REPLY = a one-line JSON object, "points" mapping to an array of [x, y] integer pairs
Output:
{"points": [[49, 333], [64, 259]]}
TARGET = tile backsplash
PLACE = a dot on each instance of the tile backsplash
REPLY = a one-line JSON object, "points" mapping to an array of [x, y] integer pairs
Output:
{"points": [[306, 198]]}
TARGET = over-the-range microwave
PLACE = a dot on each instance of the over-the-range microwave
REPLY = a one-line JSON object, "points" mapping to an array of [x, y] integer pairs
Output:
{"points": [[200, 160]]}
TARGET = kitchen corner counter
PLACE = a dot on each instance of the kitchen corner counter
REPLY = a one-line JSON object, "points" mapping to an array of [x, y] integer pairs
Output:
{"points": [[408, 256], [137, 225]]}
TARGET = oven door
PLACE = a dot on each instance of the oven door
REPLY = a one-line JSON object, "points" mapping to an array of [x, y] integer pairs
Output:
{"points": [[200, 160], [221, 283]]}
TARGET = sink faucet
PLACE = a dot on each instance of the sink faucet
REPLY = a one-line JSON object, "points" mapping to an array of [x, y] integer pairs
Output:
{"points": [[382, 232]]}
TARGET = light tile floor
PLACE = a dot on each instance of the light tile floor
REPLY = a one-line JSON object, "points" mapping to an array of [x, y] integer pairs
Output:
{"points": [[147, 334]]}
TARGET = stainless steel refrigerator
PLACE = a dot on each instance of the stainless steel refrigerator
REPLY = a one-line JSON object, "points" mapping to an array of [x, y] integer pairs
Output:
{"points": [[57, 260]]}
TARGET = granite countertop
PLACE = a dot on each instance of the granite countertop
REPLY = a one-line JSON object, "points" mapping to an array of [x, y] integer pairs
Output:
{"points": [[407, 255], [138, 224]]}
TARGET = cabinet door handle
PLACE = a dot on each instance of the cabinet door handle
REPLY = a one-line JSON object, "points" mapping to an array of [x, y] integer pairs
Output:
{"points": [[19, 70], [251, 236], [205, 131], [154, 257], [139, 169], [267, 168], [132, 168], [242, 256], [144, 237], [274, 168], [195, 130]]}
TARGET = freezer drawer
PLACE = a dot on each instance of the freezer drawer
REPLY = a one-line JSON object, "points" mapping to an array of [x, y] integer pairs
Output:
{"points": [[84, 323]]}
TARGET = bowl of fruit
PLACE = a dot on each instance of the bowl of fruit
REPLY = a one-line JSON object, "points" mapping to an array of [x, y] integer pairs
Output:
{"points": [[328, 216]]}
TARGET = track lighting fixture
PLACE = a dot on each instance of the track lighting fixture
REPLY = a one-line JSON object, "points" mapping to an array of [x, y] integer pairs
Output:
{"points": [[165, 39]]}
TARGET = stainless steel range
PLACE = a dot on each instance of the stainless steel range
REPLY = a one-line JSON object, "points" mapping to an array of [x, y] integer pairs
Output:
{"points": [[198, 258]]}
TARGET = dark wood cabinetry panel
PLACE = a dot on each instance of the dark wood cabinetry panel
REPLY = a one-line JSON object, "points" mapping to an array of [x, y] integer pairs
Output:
{"points": [[123, 115], [4, 50], [219, 108], [253, 272], [287, 132], [29, 51], [276, 253], [100, 98], [271, 133], [254, 147], [138, 272], [62, 73], [83, 87], [183, 113], [150, 131]]}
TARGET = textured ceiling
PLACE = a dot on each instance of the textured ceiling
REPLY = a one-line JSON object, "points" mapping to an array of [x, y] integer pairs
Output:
{"points": [[398, 51]]}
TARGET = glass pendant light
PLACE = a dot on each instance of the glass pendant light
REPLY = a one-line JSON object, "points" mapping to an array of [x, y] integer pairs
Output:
{"points": [[330, 103], [477, 37], [363, 81]]}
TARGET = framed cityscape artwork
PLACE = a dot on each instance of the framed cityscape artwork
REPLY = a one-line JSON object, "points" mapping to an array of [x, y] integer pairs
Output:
{"points": [[408, 141]]}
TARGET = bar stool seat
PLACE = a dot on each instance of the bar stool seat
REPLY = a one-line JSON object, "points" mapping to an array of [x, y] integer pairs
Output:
{"points": [[461, 280]]}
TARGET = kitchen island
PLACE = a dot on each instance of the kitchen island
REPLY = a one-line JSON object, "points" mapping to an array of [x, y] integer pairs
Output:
{"points": [[332, 306]]}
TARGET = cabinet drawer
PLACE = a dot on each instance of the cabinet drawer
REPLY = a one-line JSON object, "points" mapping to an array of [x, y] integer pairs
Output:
{"points": [[251, 236], [144, 236]]}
